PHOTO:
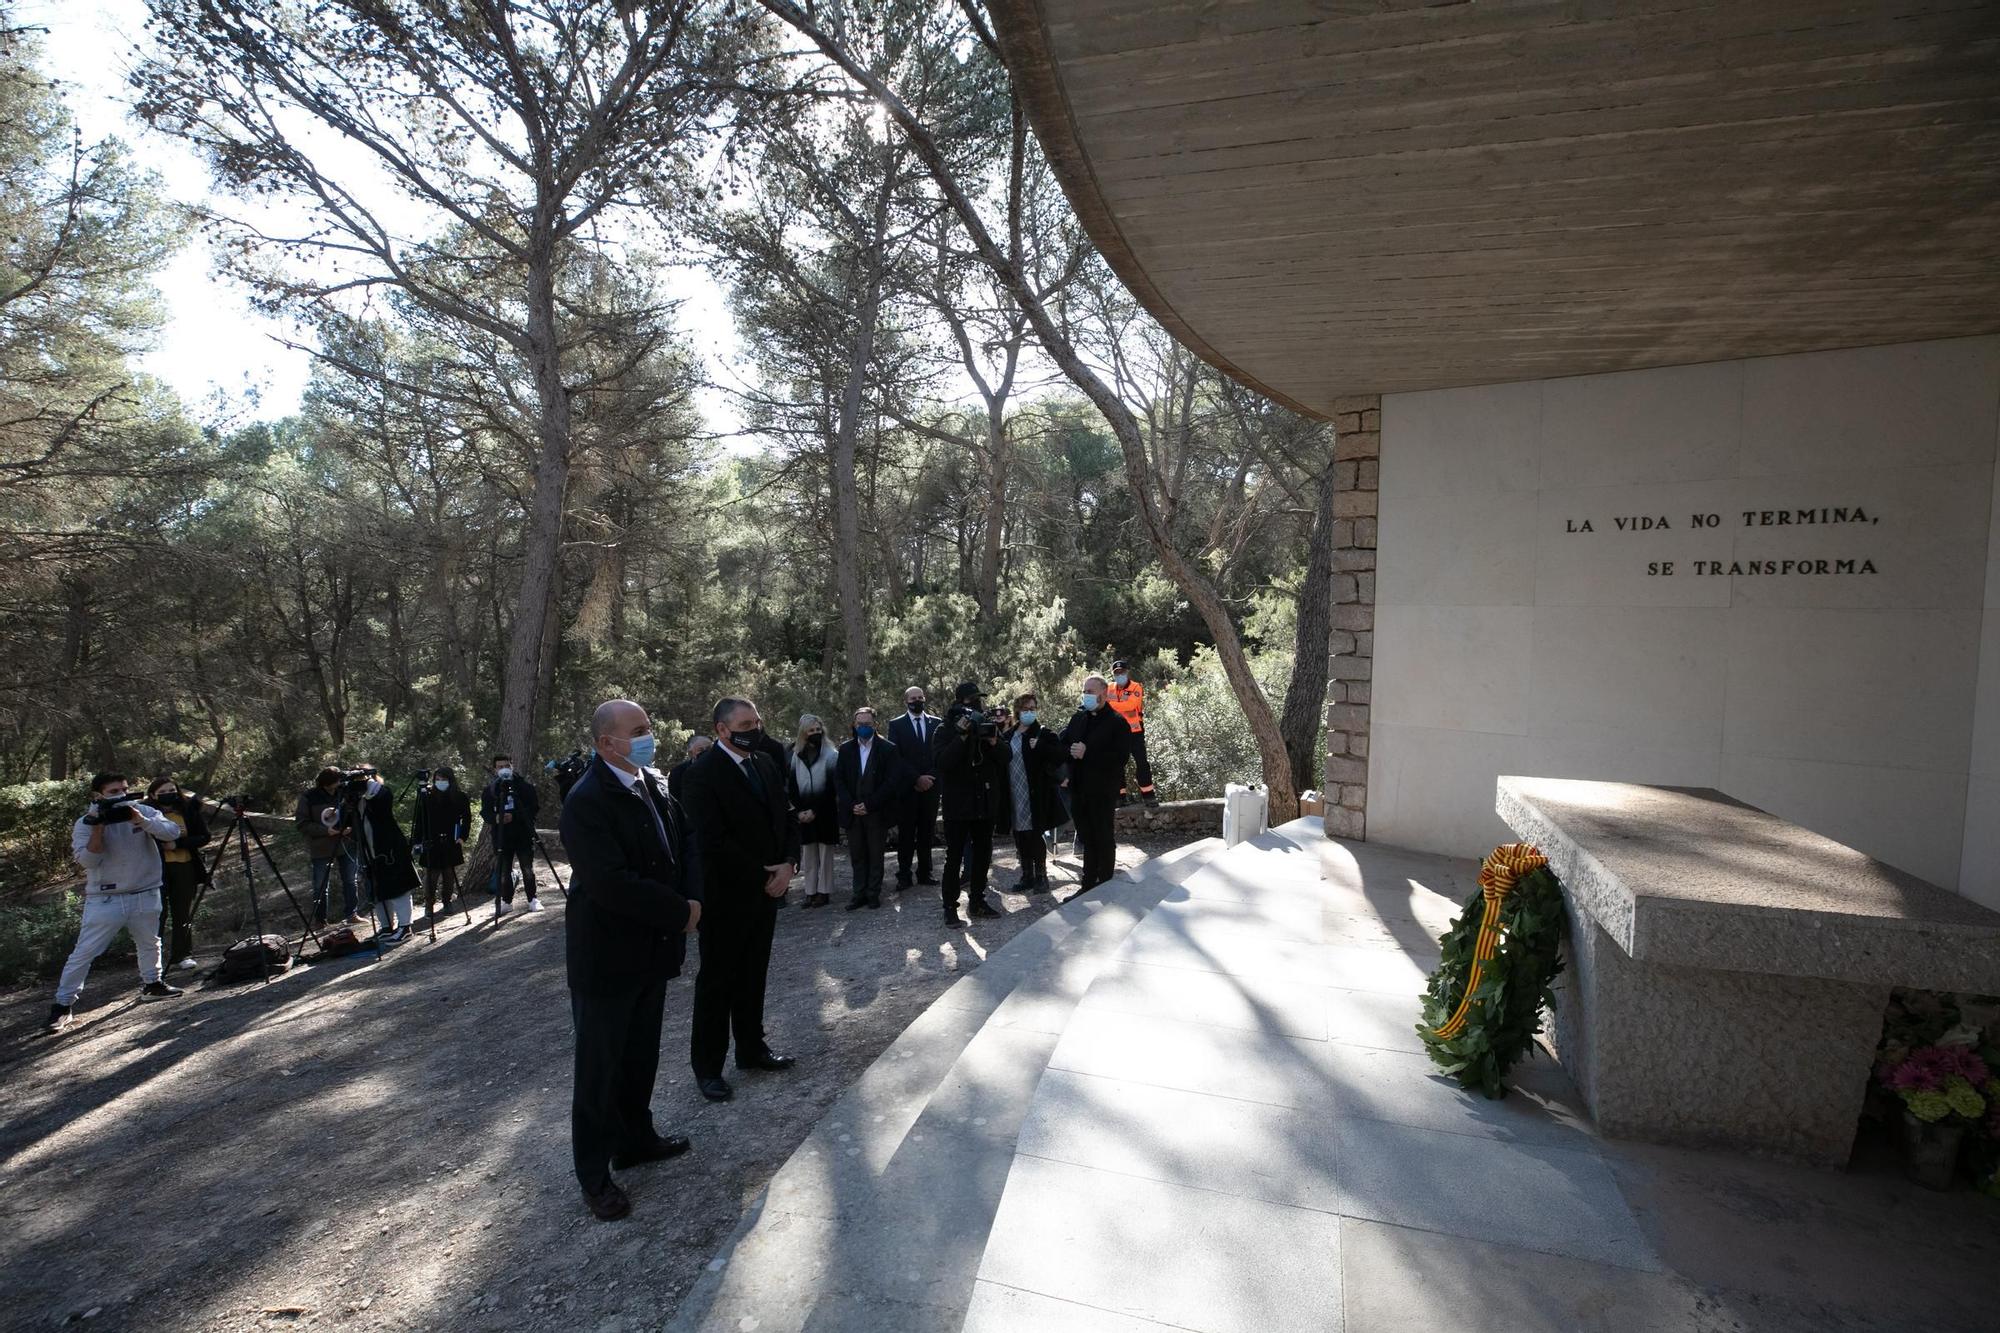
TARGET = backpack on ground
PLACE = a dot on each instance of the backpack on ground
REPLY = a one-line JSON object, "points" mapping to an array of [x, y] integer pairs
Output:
{"points": [[338, 942], [255, 957]]}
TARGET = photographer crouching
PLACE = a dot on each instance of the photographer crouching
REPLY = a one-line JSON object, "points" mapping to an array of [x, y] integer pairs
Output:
{"points": [[971, 771], [117, 842]]}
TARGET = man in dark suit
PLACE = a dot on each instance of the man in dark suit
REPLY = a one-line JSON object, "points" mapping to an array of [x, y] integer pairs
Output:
{"points": [[1097, 741], [869, 779], [634, 897], [749, 842], [914, 734], [677, 775]]}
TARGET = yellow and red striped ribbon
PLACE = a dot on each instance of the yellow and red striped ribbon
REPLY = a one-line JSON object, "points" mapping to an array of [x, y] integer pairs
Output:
{"points": [[1504, 867]]}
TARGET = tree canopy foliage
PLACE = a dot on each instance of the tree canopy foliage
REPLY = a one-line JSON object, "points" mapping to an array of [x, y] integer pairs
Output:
{"points": [[953, 446]]}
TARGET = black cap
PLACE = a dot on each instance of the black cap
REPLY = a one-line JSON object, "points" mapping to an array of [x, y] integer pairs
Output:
{"points": [[1119, 665], [967, 691]]}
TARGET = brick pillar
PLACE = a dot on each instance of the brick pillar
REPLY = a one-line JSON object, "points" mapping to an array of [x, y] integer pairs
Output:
{"points": [[1357, 451]]}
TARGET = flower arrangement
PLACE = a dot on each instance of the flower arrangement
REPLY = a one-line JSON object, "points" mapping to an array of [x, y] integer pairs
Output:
{"points": [[1945, 1083]]}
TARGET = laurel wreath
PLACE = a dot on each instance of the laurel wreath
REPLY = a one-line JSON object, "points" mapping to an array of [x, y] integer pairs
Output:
{"points": [[1484, 1005]]}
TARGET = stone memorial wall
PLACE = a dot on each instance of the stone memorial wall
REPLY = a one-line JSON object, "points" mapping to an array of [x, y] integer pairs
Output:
{"points": [[1779, 577]]}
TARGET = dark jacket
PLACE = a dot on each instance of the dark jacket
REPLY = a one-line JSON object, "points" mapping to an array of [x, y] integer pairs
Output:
{"points": [[391, 873], [192, 820], [740, 829], [1107, 743], [825, 825], [677, 777], [440, 824], [518, 834], [885, 783], [319, 846], [1042, 754], [969, 771], [919, 756], [624, 928]]}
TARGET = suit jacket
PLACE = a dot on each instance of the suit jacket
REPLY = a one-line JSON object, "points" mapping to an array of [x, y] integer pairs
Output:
{"points": [[517, 834], [1107, 743], [628, 893], [886, 781], [739, 830], [917, 754]]}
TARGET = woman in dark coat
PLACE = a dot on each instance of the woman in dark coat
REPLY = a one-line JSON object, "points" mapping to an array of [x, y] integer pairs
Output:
{"points": [[1029, 802], [443, 818], [392, 875], [809, 782]]}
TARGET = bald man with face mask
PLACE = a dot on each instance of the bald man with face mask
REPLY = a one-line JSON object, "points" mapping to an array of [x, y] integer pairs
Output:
{"points": [[634, 898]]}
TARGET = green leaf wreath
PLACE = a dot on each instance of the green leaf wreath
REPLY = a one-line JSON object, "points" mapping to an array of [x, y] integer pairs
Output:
{"points": [[1514, 989]]}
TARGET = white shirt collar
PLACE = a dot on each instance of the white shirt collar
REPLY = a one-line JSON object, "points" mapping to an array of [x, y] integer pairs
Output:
{"points": [[631, 780]]}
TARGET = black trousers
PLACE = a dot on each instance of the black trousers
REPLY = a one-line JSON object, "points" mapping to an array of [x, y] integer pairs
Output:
{"points": [[866, 839], [180, 885], [503, 883], [729, 989], [916, 827], [617, 1057], [1033, 854], [967, 842], [1096, 831], [1139, 762]]}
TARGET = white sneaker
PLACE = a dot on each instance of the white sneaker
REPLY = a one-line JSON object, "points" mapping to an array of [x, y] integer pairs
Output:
{"points": [[534, 904], [500, 907], [186, 965]]}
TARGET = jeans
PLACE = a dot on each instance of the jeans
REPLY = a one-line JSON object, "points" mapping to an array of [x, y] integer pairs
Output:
{"points": [[322, 871], [503, 882], [103, 917]]}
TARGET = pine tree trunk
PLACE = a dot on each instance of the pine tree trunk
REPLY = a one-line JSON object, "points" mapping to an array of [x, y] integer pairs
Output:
{"points": [[1305, 697]]}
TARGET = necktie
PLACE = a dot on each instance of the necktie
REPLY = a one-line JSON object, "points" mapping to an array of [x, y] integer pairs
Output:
{"points": [[749, 767], [659, 827]]}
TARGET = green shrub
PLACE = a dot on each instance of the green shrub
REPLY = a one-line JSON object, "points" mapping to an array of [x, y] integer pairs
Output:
{"points": [[1197, 738], [35, 823], [35, 938]]}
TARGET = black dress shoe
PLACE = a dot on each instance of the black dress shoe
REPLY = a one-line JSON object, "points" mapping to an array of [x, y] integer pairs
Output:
{"points": [[716, 1089], [768, 1060], [856, 903], [903, 881], [876, 902], [608, 1204], [927, 879], [953, 919], [982, 908], [659, 1150]]}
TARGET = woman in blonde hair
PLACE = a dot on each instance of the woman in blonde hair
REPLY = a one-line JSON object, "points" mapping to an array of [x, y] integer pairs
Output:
{"points": [[809, 778]]}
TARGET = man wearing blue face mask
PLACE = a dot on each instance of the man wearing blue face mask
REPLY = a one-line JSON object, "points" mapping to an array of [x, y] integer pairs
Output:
{"points": [[635, 897], [1097, 742], [870, 780]]}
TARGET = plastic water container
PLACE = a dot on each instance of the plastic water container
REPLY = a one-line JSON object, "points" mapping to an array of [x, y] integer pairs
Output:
{"points": [[1244, 810]]}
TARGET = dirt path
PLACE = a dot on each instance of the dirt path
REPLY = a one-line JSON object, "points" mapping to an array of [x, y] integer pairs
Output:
{"points": [[385, 1145]]}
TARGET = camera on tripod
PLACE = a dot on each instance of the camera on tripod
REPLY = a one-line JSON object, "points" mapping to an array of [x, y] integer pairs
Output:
{"points": [[110, 809], [356, 779]]}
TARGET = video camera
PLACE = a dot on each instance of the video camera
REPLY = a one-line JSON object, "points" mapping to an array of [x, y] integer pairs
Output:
{"points": [[110, 809], [356, 780], [982, 727]]}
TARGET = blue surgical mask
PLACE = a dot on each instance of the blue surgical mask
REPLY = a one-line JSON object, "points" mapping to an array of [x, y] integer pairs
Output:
{"points": [[1087, 702], [864, 732], [1122, 679], [1028, 717], [442, 784], [641, 751]]}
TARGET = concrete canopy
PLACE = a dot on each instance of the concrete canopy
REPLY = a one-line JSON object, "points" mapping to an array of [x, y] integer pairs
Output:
{"points": [[1326, 197]]}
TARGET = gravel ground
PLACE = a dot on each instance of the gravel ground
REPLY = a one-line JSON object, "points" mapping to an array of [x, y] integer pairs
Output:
{"points": [[385, 1145]]}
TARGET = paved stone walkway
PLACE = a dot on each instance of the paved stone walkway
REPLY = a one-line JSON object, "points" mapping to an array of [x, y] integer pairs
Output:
{"points": [[1196, 1100]]}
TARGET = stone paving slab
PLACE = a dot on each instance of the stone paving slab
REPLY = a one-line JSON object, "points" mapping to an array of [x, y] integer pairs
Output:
{"points": [[1382, 1020], [1278, 1154], [1194, 1258], [1405, 1088], [1247, 1003], [1193, 1057], [1556, 1200], [998, 1309]]}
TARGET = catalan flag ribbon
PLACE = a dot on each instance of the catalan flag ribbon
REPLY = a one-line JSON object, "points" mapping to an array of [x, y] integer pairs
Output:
{"points": [[1505, 865]]}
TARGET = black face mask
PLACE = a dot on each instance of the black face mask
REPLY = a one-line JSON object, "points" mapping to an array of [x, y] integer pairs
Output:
{"points": [[746, 739], [915, 706], [167, 798]]}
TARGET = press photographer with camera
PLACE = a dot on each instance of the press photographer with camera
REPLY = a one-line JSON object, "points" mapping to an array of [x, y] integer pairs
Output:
{"points": [[325, 815], [117, 842], [971, 767], [180, 865], [443, 818], [508, 807]]}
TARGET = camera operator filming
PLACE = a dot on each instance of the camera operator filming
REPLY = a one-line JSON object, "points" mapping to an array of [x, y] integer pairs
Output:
{"points": [[117, 842], [508, 807], [326, 817], [972, 771]]}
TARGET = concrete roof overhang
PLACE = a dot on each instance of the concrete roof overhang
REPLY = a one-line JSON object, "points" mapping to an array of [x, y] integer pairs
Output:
{"points": [[1326, 197]]}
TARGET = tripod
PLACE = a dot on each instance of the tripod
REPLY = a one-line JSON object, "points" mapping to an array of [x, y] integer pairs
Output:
{"points": [[245, 833], [550, 862]]}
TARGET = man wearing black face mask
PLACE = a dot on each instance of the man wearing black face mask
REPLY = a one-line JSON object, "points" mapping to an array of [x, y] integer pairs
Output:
{"points": [[748, 838], [915, 737]]}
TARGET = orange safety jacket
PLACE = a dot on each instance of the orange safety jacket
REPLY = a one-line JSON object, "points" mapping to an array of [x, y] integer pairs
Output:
{"points": [[1129, 702]]}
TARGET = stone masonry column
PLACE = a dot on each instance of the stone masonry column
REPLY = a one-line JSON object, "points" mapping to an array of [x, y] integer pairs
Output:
{"points": [[1357, 452]]}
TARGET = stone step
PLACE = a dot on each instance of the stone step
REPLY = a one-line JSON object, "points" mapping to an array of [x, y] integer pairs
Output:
{"points": [[879, 1219]]}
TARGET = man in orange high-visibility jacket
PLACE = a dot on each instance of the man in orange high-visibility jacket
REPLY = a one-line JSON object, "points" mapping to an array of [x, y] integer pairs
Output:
{"points": [[1127, 698]]}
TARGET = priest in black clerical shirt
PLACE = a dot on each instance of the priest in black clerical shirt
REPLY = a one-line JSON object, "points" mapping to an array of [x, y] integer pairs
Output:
{"points": [[749, 842]]}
